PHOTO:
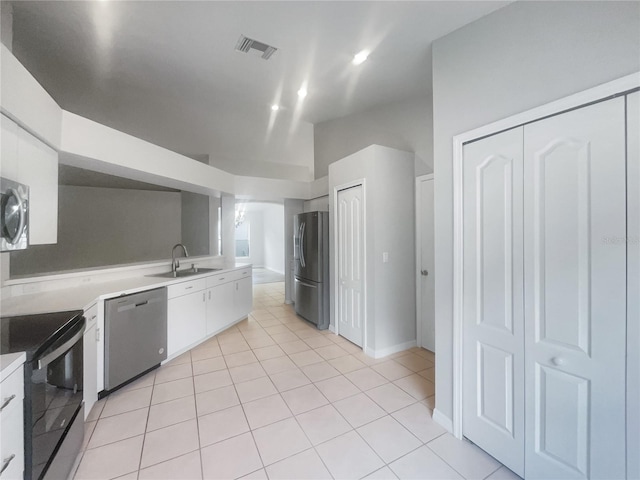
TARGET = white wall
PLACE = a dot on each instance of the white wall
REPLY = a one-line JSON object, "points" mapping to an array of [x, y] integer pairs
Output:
{"points": [[256, 239], [104, 226], [519, 57], [405, 125], [389, 226], [320, 204], [273, 228]]}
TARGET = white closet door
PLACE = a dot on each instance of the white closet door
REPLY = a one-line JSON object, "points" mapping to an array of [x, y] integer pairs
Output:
{"points": [[575, 293], [493, 360], [633, 285], [351, 264]]}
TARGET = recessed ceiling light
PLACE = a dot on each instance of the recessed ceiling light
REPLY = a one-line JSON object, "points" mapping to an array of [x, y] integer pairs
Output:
{"points": [[275, 108], [302, 92], [360, 57]]}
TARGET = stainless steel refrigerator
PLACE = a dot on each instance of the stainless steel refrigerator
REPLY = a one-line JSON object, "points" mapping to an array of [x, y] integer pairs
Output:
{"points": [[311, 267]]}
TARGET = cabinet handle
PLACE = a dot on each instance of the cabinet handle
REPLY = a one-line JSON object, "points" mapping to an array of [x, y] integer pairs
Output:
{"points": [[97, 334], [187, 288], [221, 278], [6, 462], [7, 402], [204, 298], [94, 317], [209, 294]]}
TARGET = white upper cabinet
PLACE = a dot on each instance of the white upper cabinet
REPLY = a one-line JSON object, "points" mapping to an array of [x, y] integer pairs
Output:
{"points": [[27, 160], [9, 149], [38, 168]]}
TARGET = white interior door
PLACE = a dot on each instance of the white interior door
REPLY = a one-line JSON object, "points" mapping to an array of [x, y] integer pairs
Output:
{"points": [[575, 293], [493, 320], [426, 283], [350, 301], [633, 285]]}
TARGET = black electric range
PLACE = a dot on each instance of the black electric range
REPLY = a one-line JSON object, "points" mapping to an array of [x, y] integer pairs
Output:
{"points": [[53, 401]]}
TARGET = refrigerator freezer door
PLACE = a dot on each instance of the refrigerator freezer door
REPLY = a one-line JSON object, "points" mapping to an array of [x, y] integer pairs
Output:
{"points": [[309, 252], [310, 302]]}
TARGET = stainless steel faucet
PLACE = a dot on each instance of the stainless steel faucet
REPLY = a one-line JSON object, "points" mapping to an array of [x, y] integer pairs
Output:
{"points": [[175, 263]]}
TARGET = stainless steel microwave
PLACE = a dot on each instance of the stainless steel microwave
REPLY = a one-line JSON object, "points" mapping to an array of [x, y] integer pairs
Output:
{"points": [[14, 215]]}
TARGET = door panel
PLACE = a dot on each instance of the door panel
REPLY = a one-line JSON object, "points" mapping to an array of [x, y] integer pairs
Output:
{"points": [[308, 231], [575, 281], [493, 319], [351, 265], [561, 435], [633, 285], [426, 266]]}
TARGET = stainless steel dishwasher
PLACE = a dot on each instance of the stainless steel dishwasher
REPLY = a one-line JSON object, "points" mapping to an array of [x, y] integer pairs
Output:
{"points": [[135, 335]]}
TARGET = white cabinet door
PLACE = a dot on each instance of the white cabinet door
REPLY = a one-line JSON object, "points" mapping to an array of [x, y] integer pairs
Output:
{"points": [[38, 168], [186, 321], [633, 284], [493, 361], [90, 369], [12, 429], [8, 149], [425, 264], [243, 298], [575, 293], [350, 301], [220, 307]]}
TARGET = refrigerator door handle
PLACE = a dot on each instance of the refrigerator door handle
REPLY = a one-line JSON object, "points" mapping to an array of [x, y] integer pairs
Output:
{"points": [[302, 259], [306, 284]]}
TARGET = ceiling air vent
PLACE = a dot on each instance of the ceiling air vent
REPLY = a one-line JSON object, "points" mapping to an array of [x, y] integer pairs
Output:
{"points": [[246, 44]]}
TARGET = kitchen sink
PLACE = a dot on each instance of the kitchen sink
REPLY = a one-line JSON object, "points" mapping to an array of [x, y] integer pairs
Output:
{"points": [[185, 273]]}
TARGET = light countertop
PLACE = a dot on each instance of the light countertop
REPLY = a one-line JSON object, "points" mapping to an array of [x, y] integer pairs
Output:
{"points": [[9, 362], [83, 296]]}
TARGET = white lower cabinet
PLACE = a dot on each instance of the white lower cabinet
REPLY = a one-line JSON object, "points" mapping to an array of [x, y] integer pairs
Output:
{"points": [[219, 307], [242, 297], [228, 300], [90, 359], [12, 433], [186, 321]]}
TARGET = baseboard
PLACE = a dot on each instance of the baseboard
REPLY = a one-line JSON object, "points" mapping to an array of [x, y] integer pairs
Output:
{"points": [[332, 328], [383, 352], [442, 420]]}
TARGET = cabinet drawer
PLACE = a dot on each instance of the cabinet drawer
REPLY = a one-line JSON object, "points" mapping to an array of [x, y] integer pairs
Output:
{"points": [[12, 434], [231, 276], [220, 279], [91, 314], [12, 450], [184, 288], [12, 385]]}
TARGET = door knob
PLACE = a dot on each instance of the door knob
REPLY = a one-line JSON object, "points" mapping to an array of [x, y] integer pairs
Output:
{"points": [[558, 361], [424, 273]]}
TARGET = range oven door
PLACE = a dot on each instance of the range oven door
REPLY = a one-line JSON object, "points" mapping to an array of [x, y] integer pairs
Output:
{"points": [[54, 391]]}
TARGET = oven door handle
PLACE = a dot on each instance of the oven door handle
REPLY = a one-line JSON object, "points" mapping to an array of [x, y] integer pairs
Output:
{"points": [[47, 359]]}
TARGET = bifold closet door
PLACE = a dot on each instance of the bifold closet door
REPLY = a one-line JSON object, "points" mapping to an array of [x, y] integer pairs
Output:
{"points": [[493, 321], [575, 293], [633, 285]]}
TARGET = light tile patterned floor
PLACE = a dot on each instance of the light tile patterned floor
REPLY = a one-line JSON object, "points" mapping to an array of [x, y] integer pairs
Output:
{"points": [[273, 397]]}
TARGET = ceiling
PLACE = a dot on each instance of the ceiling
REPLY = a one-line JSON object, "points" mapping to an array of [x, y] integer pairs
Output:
{"points": [[168, 72]]}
